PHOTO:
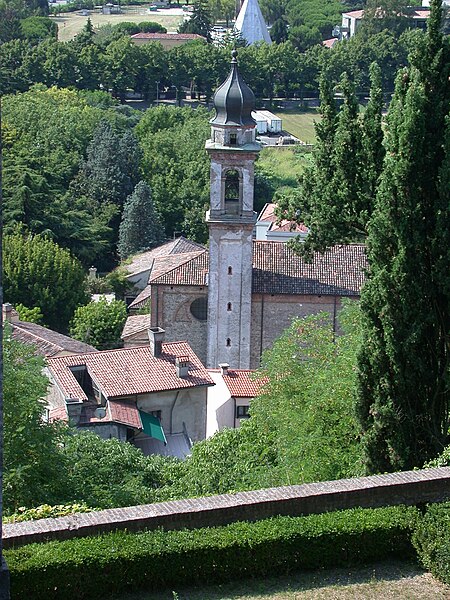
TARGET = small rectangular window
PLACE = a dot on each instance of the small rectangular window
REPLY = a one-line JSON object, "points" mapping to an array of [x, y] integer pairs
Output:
{"points": [[242, 412], [233, 139]]}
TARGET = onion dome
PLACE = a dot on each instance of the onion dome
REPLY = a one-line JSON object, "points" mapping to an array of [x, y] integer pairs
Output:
{"points": [[234, 100]]}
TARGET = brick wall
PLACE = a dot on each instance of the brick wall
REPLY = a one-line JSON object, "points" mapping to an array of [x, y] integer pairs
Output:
{"points": [[409, 487]]}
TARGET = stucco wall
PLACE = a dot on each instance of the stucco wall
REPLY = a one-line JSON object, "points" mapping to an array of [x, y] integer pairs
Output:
{"points": [[178, 407]]}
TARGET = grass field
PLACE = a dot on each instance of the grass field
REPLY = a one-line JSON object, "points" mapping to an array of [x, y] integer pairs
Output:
{"points": [[300, 124], [69, 24], [385, 581], [282, 165]]}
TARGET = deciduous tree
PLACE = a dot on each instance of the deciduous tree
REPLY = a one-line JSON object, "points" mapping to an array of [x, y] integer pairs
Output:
{"points": [[99, 323]]}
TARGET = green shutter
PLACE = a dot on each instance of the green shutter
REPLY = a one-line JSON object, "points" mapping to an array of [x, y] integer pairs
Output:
{"points": [[152, 426]]}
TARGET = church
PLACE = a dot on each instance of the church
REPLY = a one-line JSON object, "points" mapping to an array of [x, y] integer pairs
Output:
{"points": [[234, 299]]}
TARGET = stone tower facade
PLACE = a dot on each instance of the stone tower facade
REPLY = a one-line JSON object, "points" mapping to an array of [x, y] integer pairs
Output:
{"points": [[233, 150]]}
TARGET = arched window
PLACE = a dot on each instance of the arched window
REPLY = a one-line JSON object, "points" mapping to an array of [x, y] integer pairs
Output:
{"points": [[229, 306], [228, 342], [199, 309], [232, 185], [230, 271]]}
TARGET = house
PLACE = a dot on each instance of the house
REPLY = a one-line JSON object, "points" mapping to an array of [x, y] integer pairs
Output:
{"points": [[229, 399], [351, 21], [268, 228], [111, 9], [153, 396], [47, 343], [167, 40], [251, 25]]}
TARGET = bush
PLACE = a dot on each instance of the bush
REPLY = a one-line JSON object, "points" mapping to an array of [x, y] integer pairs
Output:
{"points": [[154, 560], [432, 540], [45, 511]]}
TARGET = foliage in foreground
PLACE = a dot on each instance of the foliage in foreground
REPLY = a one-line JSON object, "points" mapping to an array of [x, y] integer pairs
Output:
{"points": [[156, 560], [32, 461], [432, 540]]}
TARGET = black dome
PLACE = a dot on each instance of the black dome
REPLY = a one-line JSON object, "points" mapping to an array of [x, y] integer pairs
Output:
{"points": [[234, 100]]}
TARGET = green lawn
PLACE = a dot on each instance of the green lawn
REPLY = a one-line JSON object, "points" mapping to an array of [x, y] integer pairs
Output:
{"points": [[385, 581], [69, 24], [300, 123]]}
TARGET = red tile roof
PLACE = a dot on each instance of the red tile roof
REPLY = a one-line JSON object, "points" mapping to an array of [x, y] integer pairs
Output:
{"points": [[130, 371], [47, 342], [116, 411], [268, 214], [135, 324], [330, 42], [192, 272], [142, 298], [59, 413], [242, 383], [165, 264], [278, 270], [144, 261]]}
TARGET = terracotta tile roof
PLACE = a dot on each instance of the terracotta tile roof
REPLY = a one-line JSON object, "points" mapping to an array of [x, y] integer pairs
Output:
{"points": [[142, 298], [278, 270], [59, 413], [241, 383], [135, 324], [48, 343], [330, 42], [144, 260], [117, 411], [356, 14], [192, 272], [130, 371], [166, 36], [268, 214], [163, 265]]}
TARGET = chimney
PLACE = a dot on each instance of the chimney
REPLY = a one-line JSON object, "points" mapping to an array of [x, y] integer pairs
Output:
{"points": [[92, 273], [9, 314], [74, 406], [156, 337], [182, 365], [224, 368]]}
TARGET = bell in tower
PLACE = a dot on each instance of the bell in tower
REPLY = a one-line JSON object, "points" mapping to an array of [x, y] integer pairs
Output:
{"points": [[233, 150]]}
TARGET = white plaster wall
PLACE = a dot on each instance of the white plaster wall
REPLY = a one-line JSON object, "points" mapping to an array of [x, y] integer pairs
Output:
{"points": [[220, 410]]}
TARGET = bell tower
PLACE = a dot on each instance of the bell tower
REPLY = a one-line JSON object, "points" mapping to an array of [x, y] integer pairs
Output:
{"points": [[233, 150]]}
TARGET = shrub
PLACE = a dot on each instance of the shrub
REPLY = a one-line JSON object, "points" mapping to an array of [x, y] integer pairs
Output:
{"points": [[154, 560], [45, 511], [432, 540]]}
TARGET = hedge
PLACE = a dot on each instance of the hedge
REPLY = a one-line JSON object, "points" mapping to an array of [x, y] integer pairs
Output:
{"points": [[432, 540], [117, 562]]}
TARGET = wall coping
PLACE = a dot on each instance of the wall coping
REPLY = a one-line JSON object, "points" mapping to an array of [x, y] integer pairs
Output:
{"points": [[407, 487]]}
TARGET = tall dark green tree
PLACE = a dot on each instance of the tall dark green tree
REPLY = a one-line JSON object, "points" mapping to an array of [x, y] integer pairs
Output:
{"points": [[404, 390], [336, 194], [140, 228], [200, 21]]}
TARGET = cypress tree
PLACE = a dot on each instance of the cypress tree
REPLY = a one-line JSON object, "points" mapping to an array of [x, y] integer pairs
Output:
{"points": [[140, 228], [403, 392]]}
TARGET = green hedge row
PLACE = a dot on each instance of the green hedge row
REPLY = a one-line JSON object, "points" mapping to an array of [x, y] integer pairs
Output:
{"points": [[96, 566], [432, 540]]}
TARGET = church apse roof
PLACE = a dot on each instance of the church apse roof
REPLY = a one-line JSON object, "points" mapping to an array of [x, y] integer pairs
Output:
{"points": [[278, 270]]}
